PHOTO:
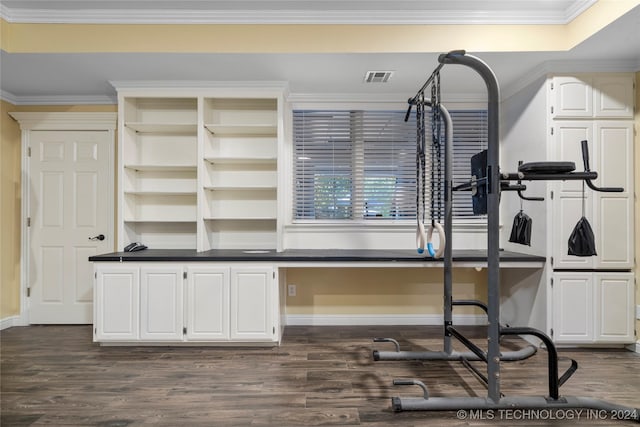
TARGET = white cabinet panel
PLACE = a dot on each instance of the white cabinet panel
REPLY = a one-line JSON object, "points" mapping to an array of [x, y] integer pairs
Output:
{"points": [[161, 310], [615, 239], [614, 310], [251, 303], [614, 212], [573, 97], [207, 303], [610, 214], [572, 296], [593, 308], [613, 96], [116, 303], [607, 95]]}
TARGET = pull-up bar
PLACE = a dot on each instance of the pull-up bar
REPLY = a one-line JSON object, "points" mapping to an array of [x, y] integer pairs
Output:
{"points": [[413, 101]]}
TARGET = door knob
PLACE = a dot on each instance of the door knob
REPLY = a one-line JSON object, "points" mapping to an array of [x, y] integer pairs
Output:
{"points": [[98, 237]]}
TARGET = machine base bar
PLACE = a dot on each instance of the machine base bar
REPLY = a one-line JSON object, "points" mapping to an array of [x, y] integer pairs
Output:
{"points": [[507, 356], [604, 410]]}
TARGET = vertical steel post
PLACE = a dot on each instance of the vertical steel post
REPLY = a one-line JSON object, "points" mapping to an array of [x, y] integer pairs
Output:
{"points": [[493, 213], [448, 228]]}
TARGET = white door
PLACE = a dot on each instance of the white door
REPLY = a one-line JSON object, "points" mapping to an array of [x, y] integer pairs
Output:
{"points": [[69, 206]]}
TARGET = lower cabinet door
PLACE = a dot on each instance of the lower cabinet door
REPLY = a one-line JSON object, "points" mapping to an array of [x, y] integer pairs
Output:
{"points": [[614, 308], [593, 307], [251, 304], [116, 302], [161, 303], [573, 315], [207, 303]]}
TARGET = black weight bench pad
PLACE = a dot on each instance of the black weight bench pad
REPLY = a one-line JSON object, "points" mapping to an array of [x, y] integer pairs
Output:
{"points": [[547, 167]]}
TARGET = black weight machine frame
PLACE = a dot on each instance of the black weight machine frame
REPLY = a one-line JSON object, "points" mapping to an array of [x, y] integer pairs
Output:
{"points": [[493, 183]]}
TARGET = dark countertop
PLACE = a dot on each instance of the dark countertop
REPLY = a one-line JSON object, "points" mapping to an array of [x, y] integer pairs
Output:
{"points": [[307, 255]]}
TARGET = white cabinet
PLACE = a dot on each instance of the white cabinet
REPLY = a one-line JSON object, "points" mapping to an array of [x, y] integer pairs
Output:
{"points": [[593, 308], [607, 95], [116, 303], [252, 309], [177, 303], [198, 167], [207, 303], [161, 303], [610, 214], [547, 121]]}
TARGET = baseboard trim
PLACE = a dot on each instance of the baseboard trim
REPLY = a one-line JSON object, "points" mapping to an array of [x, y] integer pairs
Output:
{"points": [[9, 322], [634, 347], [379, 320]]}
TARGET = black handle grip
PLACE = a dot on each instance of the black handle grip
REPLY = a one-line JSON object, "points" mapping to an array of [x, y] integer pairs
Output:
{"points": [[585, 155], [406, 116], [590, 184]]}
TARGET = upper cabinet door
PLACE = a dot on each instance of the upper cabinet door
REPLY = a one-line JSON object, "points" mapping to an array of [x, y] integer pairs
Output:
{"points": [[614, 212], [614, 95], [571, 97], [597, 96]]}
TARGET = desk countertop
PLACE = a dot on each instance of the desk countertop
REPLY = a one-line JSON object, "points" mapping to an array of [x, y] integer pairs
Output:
{"points": [[308, 256]]}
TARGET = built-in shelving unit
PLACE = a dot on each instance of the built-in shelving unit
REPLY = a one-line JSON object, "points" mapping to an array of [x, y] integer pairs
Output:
{"points": [[158, 175], [198, 168], [240, 173]]}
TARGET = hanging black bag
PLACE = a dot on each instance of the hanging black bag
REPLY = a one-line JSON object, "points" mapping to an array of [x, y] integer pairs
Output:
{"points": [[582, 241], [521, 229]]}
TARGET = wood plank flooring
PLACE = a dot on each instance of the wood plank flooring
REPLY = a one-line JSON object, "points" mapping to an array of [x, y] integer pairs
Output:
{"points": [[55, 375]]}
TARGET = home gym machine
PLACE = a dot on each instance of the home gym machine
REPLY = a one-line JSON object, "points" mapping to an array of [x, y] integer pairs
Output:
{"points": [[487, 183]]}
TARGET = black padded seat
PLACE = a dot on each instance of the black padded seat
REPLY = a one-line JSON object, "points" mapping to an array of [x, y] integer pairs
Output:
{"points": [[547, 167]]}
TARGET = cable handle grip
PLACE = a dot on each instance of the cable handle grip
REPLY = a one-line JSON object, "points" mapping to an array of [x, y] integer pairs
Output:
{"points": [[585, 155], [406, 116]]}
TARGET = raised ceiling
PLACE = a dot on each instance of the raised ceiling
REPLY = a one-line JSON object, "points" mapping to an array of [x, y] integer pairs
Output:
{"points": [[57, 75]]}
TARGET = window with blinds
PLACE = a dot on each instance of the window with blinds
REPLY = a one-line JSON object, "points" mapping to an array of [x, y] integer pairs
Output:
{"points": [[361, 165]]}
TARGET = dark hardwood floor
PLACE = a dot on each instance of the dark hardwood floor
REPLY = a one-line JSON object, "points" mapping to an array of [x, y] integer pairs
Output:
{"points": [[55, 375]]}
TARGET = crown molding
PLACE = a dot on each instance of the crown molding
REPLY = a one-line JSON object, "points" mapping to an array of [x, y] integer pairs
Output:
{"points": [[463, 13], [8, 97], [65, 121], [197, 84], [57, 99]]}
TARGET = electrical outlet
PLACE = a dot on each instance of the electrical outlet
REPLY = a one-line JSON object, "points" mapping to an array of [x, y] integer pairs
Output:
{"points": [[292, 290]]}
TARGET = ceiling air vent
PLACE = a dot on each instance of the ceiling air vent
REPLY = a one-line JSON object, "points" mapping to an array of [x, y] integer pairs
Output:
{"points": [[377, 76]]}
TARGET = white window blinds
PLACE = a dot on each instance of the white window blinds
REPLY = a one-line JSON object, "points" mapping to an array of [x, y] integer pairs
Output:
{"points": [[361, 165]]}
